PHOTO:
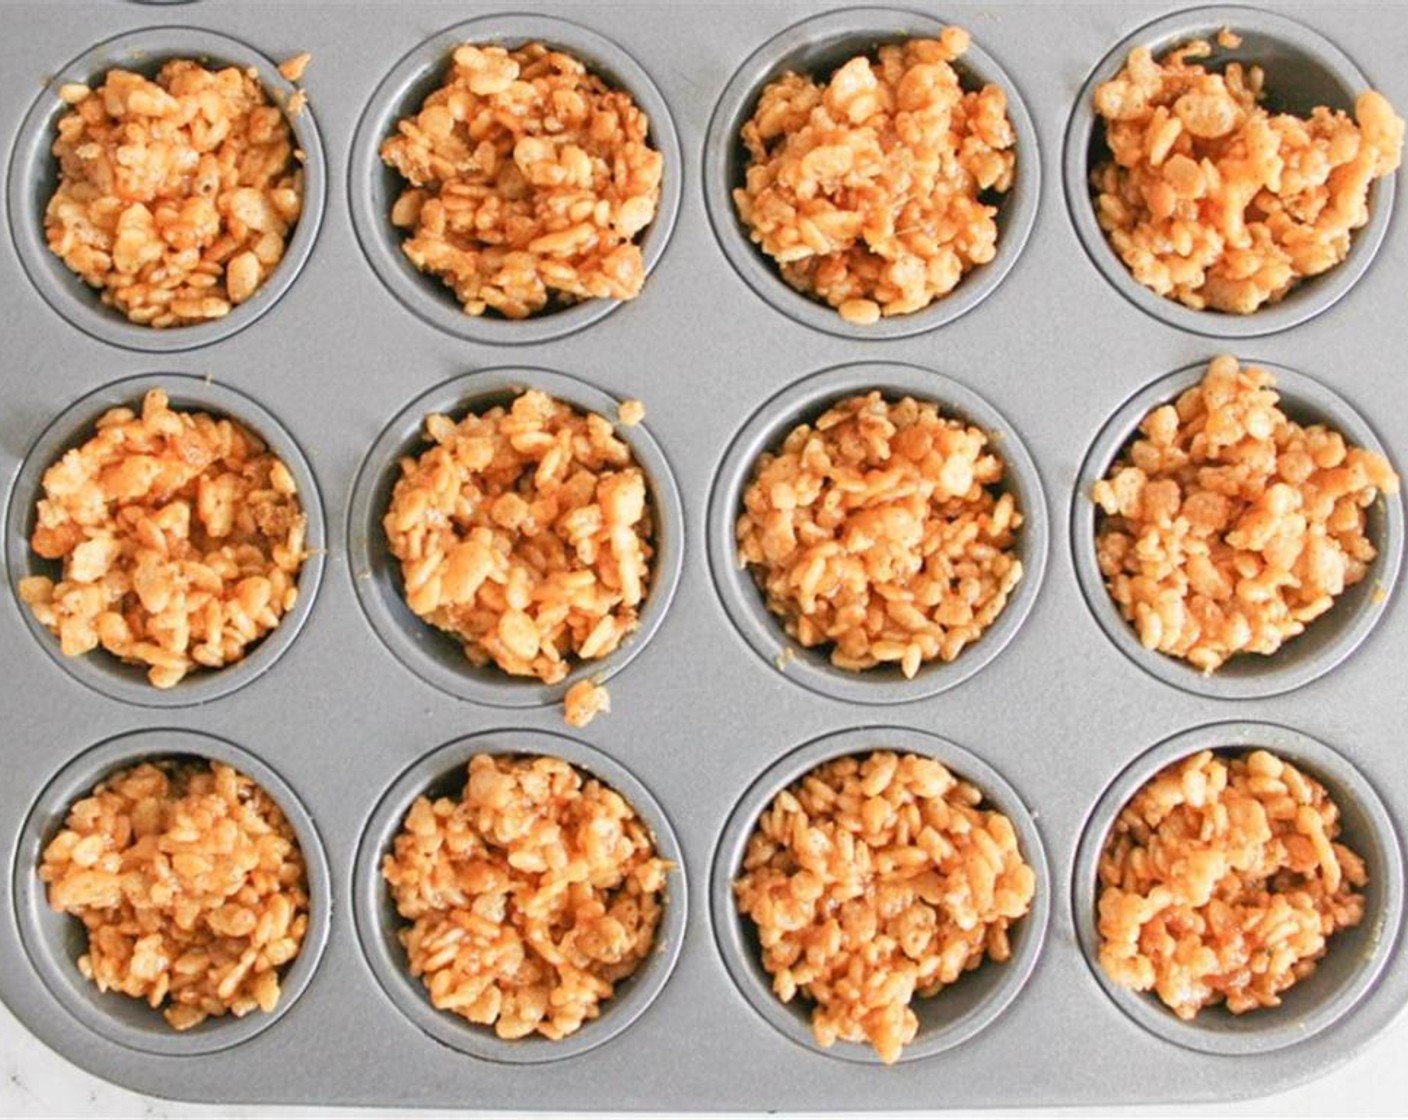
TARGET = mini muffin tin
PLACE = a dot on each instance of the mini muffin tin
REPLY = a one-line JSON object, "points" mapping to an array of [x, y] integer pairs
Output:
{"points": [[352, 708]]}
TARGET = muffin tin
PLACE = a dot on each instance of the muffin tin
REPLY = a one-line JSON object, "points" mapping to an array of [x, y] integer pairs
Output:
{"points": [[710, 715]]}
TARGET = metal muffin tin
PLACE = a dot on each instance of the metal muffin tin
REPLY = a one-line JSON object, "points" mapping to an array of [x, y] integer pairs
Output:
{"points": [[344, 727]]}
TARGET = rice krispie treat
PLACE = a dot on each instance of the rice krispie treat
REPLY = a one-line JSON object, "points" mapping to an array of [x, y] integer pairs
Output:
{"points": [[191, 885], [177, 195], [1213, 200], [529, 898], [1226, 527], [881, 531], [526, 532], [874, 881], [529, 182], [1222, 883], [877, 189], [181, 538]]}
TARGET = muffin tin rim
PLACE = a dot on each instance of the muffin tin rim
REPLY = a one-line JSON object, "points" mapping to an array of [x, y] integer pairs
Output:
{"points": [[62, 290]]}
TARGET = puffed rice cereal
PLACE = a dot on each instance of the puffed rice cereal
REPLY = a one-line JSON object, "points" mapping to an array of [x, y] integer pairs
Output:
{"points": [[583, 702], [1222, 882], [530, 181], [877, 190], [526, 532], [529, 898], [177, 196], [1212, 200], [191, 885], [181, 538], [875, 880], [880, 530], [1226, 527]]}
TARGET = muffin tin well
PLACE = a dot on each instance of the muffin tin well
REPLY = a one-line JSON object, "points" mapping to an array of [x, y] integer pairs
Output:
{"points": [[744, 600], [439, 657], [1329, 639], [1356, 956], [443, 773], [359, 707], [1303, 69], [54, 941], [817, 46], [373, 187], [946, 1019], [99, 669], [33, 176]]}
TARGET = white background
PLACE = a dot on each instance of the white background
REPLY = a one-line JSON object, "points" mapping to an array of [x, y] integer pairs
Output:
{"points": [[36, 1082]]}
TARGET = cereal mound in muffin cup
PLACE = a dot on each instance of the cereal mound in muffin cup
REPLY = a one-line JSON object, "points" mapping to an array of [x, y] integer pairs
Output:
{"points": [[528, 898], [1211, 199], [876, 190], [1225, 527], [181, 537], [1222, 883], [191, 885], [525, 532], [880, 530], [876, 880], [529, 182], [176, 196]]}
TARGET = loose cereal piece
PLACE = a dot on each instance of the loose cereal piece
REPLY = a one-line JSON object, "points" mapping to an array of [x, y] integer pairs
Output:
{"points": [[529, 898], [292, 68], [181, 538], [584, 702], [1222, 882], [880, 530], [164, 184], [530, 181], [525, 532], [191, 885], [875, 880], [1227, 527], [1210, 199], [873, 190], [630, 413]]}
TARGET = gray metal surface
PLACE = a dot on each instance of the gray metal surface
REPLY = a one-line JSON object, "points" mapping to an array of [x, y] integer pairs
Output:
{"points": [[698, 717]]}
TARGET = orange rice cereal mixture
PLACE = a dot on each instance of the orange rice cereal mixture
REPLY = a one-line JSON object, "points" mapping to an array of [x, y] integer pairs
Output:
{"points": [[176, 196], [873, 880], [881, 530], [192, 887], [1214, 201], [530, 898], [584, 701], [529, 181], [872, 190], [181, 538], [1227, 527], [526, 533], [1221, 882]]}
